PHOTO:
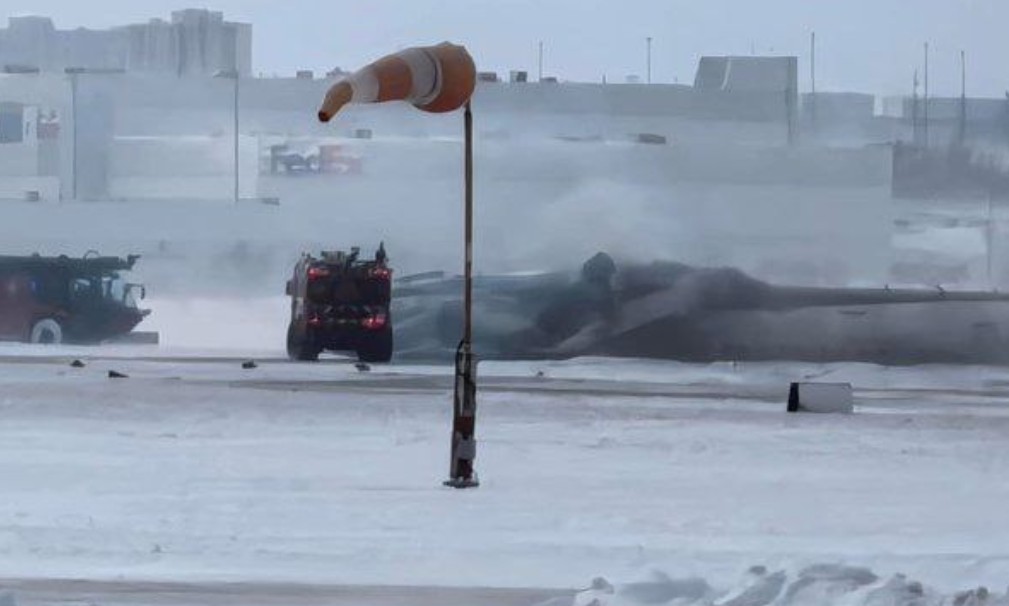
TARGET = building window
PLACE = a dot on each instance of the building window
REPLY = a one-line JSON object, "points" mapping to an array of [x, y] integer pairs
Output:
{"points": [[11, 123]]}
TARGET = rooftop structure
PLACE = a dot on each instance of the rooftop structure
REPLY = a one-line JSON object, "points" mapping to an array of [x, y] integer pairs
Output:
{"points": [[194, 42]]}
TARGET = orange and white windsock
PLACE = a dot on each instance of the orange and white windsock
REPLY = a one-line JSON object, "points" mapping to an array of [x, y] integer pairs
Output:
{"points": [[436, 79]]}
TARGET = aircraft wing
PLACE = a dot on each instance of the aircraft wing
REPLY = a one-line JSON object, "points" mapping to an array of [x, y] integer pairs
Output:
{"points": [[791, 297]]}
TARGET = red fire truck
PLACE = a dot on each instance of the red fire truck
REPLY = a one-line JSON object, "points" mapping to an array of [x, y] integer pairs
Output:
{"points": [[67, 300]]}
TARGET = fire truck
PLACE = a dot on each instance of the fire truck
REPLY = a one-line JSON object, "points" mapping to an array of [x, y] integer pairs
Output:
{"points": [[53, 300], [340, 302]]}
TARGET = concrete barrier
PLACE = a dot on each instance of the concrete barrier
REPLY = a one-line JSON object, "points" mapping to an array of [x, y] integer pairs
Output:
{"points": [[820, 398]]}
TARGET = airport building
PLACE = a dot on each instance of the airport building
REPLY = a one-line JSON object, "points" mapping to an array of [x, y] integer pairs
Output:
{"points": [[149, 112]]}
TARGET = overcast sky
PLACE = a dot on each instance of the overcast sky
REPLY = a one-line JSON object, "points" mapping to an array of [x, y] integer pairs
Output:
{"points": [[866, 45]]}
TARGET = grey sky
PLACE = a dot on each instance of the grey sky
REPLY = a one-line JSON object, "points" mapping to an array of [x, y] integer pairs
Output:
{"points": [[869, 45]]}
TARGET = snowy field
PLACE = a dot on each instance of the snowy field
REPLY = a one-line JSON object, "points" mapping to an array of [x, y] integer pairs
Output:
{"points": [[670, 481]]}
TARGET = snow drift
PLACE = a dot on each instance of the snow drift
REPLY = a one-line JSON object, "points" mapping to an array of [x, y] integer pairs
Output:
{"points": [[816, 585]]}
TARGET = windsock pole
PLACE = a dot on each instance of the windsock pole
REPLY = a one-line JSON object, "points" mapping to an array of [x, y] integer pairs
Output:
{"points": [[468, 120], [435, 79], [461, 471]]}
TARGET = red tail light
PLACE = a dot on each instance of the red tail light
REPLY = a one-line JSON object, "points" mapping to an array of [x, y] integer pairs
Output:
{"points": [[315, 321], [315, 273], [375, 322], [380, 273]]}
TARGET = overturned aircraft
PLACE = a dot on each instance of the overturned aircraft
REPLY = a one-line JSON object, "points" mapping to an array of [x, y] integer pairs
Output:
{"points": [[675, 311]]}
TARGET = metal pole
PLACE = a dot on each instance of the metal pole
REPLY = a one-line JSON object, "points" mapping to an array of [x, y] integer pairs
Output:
{"points": [[925, 108], [461, 472], [915, 134], [649, 59], [73, 153], [963, 98], [812, 77], [541, 62], [236, 136], [468, 328]]}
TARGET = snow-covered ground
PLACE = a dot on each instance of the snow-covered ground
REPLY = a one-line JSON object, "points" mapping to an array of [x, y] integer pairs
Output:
{"points": [[196, 470]]}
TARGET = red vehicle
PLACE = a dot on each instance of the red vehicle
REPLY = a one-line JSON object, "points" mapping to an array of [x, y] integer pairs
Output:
{"points": [[67, 300], [341, 303]]}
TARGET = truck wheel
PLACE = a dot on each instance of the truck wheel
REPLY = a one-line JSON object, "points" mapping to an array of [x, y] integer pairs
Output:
{"points": [[378, 348], [298, 347], [47, 332]]}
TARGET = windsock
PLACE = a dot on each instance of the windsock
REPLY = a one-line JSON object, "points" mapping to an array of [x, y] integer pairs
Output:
{"points": [[433, 78]]}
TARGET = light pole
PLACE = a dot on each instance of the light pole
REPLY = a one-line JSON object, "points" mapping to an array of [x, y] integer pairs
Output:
{"points": [[915, 135], [540, 63], [925, 107], [812, 77], [232, 74], [648, 59], [962, 134]]}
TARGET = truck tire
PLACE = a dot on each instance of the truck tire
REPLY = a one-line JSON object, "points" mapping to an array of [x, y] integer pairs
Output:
{"points": [[46, 332], [377, 348], [298, 346]]}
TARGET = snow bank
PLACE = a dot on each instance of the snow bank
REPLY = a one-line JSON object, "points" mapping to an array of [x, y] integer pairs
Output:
{"points": [[818, 585]]}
